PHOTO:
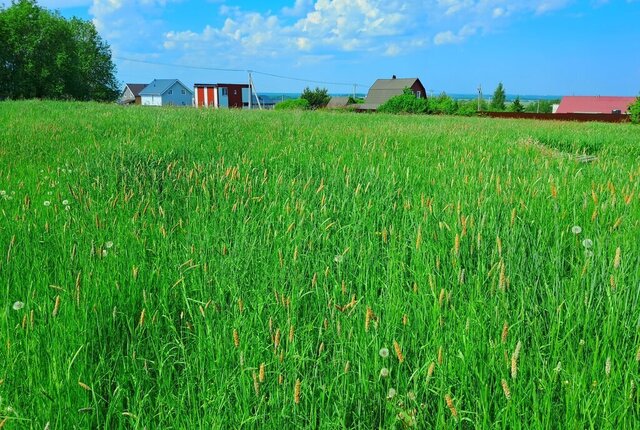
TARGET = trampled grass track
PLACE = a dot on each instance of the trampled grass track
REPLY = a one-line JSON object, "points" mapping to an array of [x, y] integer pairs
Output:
{"points": [[245, 270]]}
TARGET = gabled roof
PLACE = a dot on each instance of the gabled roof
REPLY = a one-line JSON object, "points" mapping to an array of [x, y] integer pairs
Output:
{"points": [[594, 104], [135, 88], [336, 102], [160, 86], [383, 89]]}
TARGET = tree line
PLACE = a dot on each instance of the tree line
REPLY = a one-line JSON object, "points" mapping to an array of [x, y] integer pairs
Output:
{"points": [[44, 55]]}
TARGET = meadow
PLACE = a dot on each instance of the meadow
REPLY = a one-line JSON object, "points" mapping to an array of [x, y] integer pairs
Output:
{"points": [[183, 268]]}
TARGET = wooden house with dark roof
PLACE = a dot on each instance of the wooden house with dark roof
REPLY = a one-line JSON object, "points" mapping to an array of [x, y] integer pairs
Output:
{"points": [[383, 89]]}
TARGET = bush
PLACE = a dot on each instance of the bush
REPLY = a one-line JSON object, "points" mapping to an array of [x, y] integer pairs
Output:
{"points": [[443, 104], [405, 103], [317, 98], [634, 111], [293, 104]]}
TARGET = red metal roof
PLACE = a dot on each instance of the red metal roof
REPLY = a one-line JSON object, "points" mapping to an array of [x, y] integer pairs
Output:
{"points": [[594, 104]]}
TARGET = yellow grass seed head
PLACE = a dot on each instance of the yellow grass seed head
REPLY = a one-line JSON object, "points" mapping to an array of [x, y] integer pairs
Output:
{"points": [[618, 258], [505, 389], [514, 360], [56, 306], [430, 370], [261, 373], [396, 347], [505, 332], [296, 392], [451, 406], [440, 356], [236, 338]]}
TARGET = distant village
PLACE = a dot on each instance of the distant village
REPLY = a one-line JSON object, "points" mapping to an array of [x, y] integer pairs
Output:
{"points": [[172, 92]]}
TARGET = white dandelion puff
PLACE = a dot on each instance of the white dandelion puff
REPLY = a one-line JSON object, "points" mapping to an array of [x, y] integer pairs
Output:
{"points": [[576, 229], [384, 352], [338, 258], [104, 252], [47, 203], [108, 244], [587, 243], [65, 202], [588, 253], [384, 372], [3, 193], [391, 393], [18, 305]]}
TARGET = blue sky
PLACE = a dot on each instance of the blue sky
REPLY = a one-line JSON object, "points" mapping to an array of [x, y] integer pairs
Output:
{"points": [[544, 47]]}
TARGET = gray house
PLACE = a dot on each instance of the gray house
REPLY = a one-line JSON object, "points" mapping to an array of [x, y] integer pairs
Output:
{"points": [[131, 94], [166, 92], [383, 89]]}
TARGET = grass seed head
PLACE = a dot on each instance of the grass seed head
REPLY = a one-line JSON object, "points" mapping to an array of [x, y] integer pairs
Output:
{"points": [[236, 338], [451, 406], [505, 389], [296, 392], [398, 350]]}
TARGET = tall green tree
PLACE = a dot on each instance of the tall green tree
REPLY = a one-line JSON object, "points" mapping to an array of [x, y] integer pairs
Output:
{"points": [[499, 98], [516, 106], [43, 55], [634, 111]]}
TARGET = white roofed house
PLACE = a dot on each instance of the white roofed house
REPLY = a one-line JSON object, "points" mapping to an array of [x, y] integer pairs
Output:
{"points": [[166, 92]]}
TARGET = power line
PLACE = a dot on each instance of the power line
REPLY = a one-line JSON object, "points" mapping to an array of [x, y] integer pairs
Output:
{"points": [[220, 69]]}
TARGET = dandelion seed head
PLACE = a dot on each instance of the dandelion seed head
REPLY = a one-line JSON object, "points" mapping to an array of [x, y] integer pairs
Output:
{"points": [[587, 243], [3, 193], [65, 202], [47, 203], [391, 393], [576, 229], [338, 258], [384, 372], [588, 253], [384, 352], [67, 208], [108, 244], [18, 305], [104, 252]]}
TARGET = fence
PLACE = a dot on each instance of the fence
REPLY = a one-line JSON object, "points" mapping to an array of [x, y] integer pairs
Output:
{"points": [[579, 117]]}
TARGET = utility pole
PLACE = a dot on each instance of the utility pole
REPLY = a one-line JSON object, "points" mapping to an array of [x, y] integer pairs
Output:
{"points": [[538, 111], [355, 89], [250, 86], [479, 97]]}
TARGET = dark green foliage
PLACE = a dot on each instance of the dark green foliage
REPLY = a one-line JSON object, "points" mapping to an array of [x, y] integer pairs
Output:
{"points": [[317, 98], [516, 106], [43, 55], [293, 104], [443, 104], [355, 101], [634, 111], [498, 100], [405, 103], [541, 106]]}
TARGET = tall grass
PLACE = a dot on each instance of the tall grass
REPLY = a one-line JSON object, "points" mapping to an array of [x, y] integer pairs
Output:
{"points": [[178, 268]]}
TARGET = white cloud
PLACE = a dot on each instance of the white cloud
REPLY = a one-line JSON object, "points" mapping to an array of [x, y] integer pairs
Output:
{"points": [[314, 27]]}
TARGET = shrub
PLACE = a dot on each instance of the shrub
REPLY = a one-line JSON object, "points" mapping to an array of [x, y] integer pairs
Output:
{"points": [[405, 103], [293, 104], [317, 98], [634, 111]]}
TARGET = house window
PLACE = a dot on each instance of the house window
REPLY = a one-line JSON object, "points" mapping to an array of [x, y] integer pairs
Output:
{"points": [[224, 91], [418, 94], [170, 91], [184, 92]]}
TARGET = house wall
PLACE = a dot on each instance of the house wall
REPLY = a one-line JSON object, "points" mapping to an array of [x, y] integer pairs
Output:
{"points": [[174, 96], [417, 86], [235, 96], [151, 100]]}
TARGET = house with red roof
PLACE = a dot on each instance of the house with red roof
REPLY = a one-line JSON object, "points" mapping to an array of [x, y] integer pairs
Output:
{"points": [[595, 104]]}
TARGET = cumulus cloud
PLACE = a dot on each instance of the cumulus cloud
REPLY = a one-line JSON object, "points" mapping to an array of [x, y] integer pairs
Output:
{"points": [[316, 27]]}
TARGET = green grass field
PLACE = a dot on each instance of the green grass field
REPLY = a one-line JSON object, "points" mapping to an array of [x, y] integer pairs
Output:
{"points": [[182, 268]]}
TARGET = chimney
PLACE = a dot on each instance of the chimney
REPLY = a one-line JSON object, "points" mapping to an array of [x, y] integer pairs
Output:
{"points": [[393, 77]]}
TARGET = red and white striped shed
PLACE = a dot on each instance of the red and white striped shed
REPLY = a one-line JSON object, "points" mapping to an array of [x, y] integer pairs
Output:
{"points": [[221, 95]]}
